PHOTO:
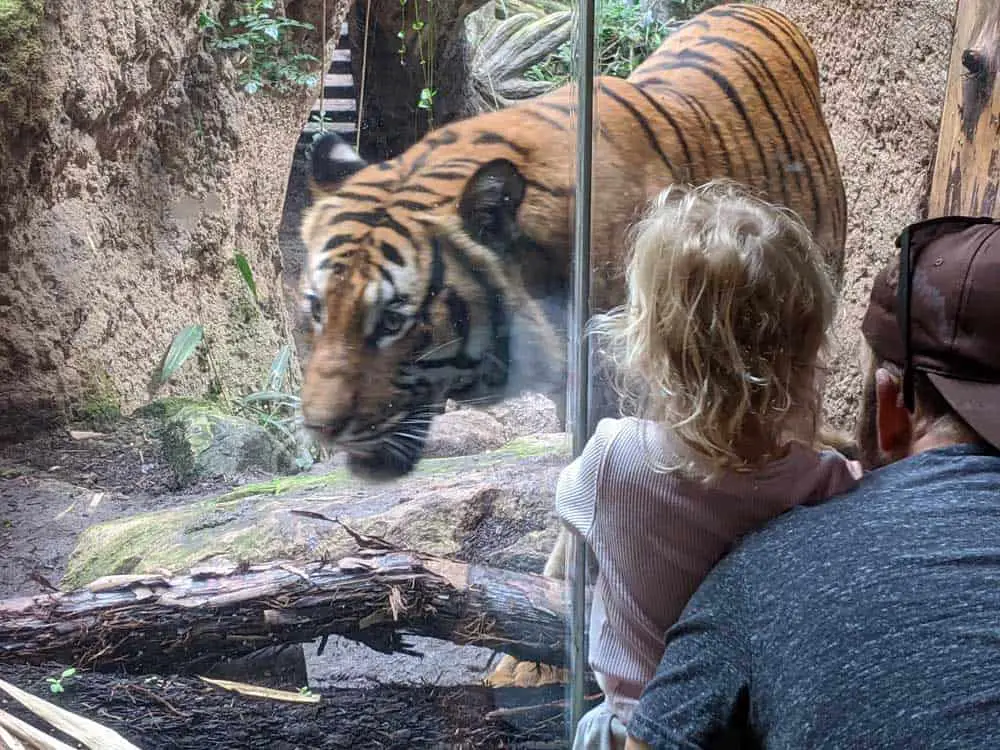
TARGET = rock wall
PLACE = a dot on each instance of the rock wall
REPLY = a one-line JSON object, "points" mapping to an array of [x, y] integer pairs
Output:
{"points": [[884, 67], [132, 170]]}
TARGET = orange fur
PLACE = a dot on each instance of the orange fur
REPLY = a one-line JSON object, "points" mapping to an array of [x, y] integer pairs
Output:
{"points": [[734, 93]]}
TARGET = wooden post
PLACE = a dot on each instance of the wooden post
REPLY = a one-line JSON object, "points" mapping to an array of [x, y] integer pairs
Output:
{"points": [[967, 167]]}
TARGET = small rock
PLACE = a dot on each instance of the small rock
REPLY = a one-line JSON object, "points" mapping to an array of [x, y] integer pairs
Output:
{"points": [[201, 442], [527, 414], [463, 432]]}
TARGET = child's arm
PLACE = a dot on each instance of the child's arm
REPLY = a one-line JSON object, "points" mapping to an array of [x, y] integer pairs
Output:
{"points": [[576, 497], [576, 490]]}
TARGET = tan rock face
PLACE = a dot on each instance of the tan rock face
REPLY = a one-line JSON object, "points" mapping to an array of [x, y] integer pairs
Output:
{"points": [[884, 69], [132, 171], [126, 189]]}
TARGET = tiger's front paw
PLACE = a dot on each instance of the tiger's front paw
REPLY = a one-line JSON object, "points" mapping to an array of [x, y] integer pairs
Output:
{"points": [[510, 672]]}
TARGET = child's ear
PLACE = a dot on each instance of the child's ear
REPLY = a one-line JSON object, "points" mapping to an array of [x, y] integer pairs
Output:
{"points": [[895, 428]]}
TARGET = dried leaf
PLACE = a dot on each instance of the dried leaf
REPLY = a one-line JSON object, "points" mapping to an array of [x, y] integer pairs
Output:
{"points": [[94, 502], [9, 741], [85, 434], [262, 692]]}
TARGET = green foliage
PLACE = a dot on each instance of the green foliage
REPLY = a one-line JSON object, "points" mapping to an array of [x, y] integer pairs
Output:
{"points": [[100, 407], [21, 59], [684, 9], [261, 42], [247, 273], [56, 683], [626, 36], [276, 407], [418, 23], [182, 347], [426, 100]]}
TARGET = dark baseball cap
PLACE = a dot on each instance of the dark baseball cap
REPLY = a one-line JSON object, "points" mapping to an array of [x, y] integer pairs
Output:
{"points": [[938, 311]]}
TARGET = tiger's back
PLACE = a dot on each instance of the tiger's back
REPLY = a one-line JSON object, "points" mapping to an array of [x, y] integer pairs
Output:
{"points": [[481, 210]]}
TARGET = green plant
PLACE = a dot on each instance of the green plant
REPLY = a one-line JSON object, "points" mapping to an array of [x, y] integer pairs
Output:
{"points": [[22, 57], [246, 273], [276, 407], [626, 36], [184, 344], [99, 406], [421, 24], [56, 683], [266, 55]]}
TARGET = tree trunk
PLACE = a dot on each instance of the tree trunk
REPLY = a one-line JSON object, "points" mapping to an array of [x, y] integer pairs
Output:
{"points": [[388, 95], [967, 168], [155, 623]]}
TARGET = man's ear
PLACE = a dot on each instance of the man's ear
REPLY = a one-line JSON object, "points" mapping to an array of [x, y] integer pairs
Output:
{"points": [[893, 421]]}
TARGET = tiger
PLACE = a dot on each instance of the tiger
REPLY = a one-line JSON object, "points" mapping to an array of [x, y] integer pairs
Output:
{"points": [[444, 273]]}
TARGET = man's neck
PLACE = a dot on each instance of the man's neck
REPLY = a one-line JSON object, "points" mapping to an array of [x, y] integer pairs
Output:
{"points": [[933, 439]]}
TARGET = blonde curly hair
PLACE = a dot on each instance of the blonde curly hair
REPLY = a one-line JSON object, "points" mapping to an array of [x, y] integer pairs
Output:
{"points": [[728, 306]]}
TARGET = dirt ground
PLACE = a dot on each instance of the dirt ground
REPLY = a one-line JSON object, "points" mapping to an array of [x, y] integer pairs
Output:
{"points": [[55, 485], [183, 713]]}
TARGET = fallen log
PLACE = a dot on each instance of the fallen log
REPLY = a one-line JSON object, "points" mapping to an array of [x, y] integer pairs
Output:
{"points": [[156, 623]]}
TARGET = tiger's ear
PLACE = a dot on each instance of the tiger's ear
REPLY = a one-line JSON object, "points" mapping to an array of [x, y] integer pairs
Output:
{"points": [[489, 204], [332, 161]]}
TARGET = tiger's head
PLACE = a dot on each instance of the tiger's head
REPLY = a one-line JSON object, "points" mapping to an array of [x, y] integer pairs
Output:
{"points": [[413, 299]]}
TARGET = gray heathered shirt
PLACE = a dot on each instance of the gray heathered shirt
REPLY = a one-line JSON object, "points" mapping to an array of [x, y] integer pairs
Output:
{"points": [[871, 620]]}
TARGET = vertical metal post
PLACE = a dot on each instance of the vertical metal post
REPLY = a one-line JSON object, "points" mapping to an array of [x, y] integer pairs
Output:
{"points": [[578, 344]]}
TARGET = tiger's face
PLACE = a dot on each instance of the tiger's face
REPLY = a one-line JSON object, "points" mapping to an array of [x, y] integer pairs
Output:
{"points": [[408, 306]]}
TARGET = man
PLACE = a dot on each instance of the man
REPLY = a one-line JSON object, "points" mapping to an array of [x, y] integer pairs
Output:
{"points": [[871, 620]]}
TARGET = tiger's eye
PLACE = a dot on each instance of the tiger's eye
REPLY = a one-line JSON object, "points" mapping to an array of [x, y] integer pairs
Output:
{"points": [[392, 322]]}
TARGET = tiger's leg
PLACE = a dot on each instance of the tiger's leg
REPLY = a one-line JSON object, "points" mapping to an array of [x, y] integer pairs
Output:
{"points": [[555, 566], [602, 402], [512, 672]]}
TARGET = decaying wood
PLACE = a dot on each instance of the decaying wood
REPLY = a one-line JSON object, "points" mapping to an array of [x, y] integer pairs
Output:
{"points": [[966, 175], [159, 623]]}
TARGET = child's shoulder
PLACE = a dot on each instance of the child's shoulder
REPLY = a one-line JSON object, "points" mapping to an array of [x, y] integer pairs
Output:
{"points": [[829, 468], [634, 441], [627, 430]]}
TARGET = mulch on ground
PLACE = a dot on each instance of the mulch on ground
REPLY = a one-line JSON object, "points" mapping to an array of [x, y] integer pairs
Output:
{"points": [[184, 713]]}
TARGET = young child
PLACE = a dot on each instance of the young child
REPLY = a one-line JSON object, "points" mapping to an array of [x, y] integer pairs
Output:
{"points": [[717, 352]]}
